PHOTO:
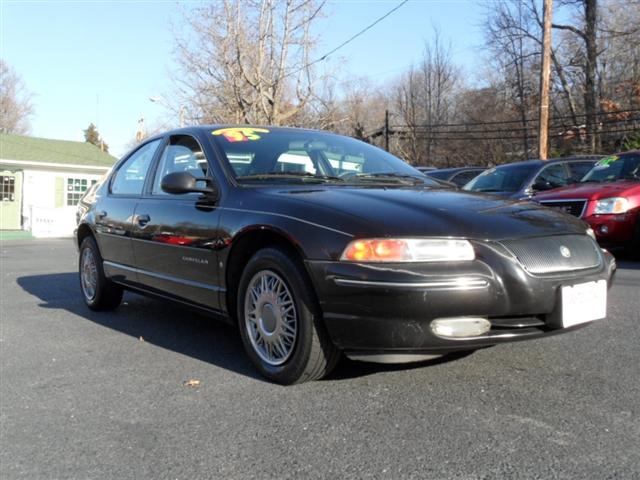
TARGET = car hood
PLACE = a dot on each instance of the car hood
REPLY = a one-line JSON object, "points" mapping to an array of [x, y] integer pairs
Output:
{"points": [[502, 193], [592, 191], [418, 212]]}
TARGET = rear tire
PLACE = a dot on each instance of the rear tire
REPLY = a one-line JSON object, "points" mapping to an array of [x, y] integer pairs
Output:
{"points": [[280, 321], [98, 292]]}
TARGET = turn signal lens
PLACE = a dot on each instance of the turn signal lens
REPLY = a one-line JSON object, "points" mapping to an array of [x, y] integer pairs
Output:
{"points": [[408, 250]]}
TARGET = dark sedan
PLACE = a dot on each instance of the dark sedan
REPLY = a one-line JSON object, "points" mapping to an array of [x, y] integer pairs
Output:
{"points": [[315, 244], [522, 180]]}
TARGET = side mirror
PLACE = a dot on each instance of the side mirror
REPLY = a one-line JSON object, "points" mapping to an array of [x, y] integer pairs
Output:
{"points": [[183, 182], [541, 185]]}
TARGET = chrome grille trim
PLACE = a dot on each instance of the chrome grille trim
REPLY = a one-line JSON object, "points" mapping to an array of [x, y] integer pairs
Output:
{"points": [[572, 206], [542, 255]]}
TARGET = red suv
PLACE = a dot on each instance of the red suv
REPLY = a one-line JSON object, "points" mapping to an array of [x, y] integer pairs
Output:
{"points": [[608, 198]]}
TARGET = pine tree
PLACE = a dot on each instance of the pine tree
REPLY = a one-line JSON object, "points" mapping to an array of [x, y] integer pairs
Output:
{"points": [[92, 136]]}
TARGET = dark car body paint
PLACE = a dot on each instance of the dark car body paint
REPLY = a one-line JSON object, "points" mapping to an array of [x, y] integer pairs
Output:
{"points": [[183, 251], [525, 189]]}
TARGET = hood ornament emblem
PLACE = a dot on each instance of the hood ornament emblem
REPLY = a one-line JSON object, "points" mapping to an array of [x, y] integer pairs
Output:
{"points": [[565, 252]]}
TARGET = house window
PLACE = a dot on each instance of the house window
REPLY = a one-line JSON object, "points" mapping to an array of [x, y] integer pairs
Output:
{"points": [[7, 188], [76, 188]]}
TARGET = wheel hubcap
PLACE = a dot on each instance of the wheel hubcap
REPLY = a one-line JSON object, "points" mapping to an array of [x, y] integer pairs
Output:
{"points": [[88, 274], [270, 317]]}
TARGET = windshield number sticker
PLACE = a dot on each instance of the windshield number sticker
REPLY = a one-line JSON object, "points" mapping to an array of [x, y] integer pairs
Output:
{"points": [[240, 134], [605, 162]]}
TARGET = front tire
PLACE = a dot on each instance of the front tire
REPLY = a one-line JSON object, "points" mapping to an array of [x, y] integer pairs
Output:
{"points": [[98, 292], [280, 321]]}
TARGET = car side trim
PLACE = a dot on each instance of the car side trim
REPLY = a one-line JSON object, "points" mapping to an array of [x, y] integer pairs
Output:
{"points": [[290, 218], [462, 283], [169, 278]]}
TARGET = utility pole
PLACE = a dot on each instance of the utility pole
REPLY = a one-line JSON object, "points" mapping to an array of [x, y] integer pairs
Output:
{"points": [[545, 74], [386, 130], [183, 111]]}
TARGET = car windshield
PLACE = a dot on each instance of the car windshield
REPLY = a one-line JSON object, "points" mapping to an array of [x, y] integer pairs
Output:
{"points": [[272, 155], [505, 178], [614, 168]]}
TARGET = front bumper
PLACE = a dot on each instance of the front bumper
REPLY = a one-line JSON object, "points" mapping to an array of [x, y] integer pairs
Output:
{"points": [[389, 308], [613, 230]]}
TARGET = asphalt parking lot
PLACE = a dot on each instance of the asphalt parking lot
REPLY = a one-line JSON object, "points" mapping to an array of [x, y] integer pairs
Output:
{"points": [[102, 395]]}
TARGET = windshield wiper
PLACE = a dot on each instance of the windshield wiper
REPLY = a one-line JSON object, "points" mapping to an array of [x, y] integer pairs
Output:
{"points": [[395, 177], [289, 175]]}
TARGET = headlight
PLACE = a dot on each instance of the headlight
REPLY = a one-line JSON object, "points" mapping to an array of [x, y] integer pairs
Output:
{"points": [[408, 250], [612, 205]]}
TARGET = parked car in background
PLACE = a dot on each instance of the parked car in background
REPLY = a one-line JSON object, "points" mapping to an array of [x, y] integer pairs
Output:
{"points": [[315, 245], [608, 198], [459, 176], [521, 180]]}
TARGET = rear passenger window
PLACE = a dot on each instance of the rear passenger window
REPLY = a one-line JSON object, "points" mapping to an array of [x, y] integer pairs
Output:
{"points": [[129, 179], [295, 161], [182, 154]]}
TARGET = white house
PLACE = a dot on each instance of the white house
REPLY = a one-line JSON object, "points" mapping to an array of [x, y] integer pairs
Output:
{"points": [[41, 181]]}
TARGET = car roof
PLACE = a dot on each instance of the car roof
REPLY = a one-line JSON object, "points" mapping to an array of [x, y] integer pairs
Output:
{"points": [[457, 169], [538, 163]]}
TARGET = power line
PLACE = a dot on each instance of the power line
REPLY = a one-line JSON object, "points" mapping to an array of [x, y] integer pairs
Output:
{"points": [[378, 131], [435, 129], [505, 138], [349, 40]]}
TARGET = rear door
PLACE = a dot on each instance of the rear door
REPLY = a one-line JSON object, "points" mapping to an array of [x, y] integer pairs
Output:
{"points": [[114, 212], [175, 237]]}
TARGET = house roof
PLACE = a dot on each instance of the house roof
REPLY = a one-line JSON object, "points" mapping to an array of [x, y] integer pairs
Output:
{"points": [[45, 150]]}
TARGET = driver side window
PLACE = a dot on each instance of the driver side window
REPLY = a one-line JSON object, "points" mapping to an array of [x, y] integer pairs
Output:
{"points": [[553, 176], [182, 154], [129, 179]]}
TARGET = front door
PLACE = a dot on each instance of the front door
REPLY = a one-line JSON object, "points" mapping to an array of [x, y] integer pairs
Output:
{"points": [[116, 202], [10, 200], [175, 237]]}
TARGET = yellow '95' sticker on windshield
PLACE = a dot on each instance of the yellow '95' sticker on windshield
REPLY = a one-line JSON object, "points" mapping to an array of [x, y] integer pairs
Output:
{"points": [[240, 134]]}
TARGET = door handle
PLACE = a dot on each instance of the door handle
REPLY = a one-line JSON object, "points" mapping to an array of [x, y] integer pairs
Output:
{"points": [[101, 214], [142, 220]]}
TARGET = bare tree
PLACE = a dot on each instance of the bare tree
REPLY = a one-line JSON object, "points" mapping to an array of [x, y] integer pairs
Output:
{"points": [[248, 61], [424, 99], [15, 102], [440, 79], [514, 39]]}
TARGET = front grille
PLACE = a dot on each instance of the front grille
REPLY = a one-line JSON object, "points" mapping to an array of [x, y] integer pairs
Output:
{"points": [[542, 255], [572, 207]]}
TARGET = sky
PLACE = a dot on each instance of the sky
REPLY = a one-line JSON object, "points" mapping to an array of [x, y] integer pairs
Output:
{"points": [[100, 61]]}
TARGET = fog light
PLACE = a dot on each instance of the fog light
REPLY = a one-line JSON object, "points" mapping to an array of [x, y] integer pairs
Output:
{"points": [[603, 229], [458, 327]]}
